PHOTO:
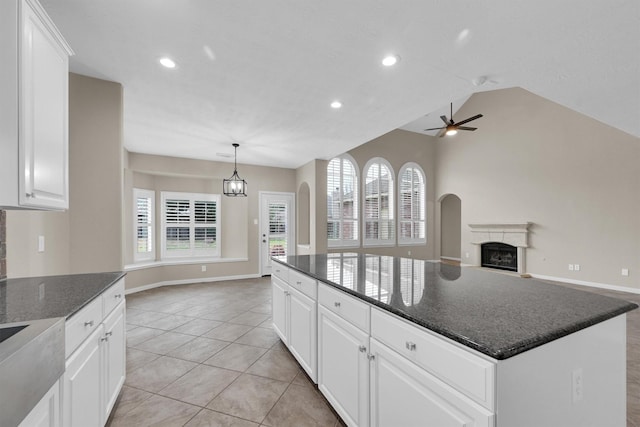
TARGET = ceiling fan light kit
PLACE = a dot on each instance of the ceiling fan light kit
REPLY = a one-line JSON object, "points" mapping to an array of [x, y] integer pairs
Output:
{"points": [[451, 128]]}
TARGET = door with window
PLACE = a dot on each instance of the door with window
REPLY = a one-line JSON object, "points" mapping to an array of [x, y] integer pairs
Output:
{"points": [[277, 227]]}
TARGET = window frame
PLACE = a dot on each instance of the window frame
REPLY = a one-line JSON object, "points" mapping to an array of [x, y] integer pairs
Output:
{"points": [[192, 252], [140, 193], [341, 242], [377, 242], [412, 241]]}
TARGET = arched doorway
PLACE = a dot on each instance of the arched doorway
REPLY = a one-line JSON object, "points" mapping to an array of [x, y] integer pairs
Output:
{"points": [[450, 227]]}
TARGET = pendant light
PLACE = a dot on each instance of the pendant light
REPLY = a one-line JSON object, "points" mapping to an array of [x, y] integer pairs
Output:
{"points": [[235, 186]]}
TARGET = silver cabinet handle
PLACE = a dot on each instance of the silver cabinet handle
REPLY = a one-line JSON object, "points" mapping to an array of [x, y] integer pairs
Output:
{"points": [[371, 357], [298, 283], [337, 304], [287, 293], [410, 346], [89, 323], [33, 195], [108, 334], [362, 349], [103, 339], [117, 296]]}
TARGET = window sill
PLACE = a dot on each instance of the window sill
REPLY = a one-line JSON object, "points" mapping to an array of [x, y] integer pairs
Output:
{"points": [[187, 261], [413, 243]]}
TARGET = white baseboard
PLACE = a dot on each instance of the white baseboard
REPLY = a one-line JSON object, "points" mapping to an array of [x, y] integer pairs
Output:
{"points": [[586, 283], [188, 282]]}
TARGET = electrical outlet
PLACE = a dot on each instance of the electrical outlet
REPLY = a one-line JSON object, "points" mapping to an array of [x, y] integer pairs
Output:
{"points": [[625, 271], [204, 268], [570, 267], [577, 385], [40, 243], [466, 254], [576, 267], [409, 253]]}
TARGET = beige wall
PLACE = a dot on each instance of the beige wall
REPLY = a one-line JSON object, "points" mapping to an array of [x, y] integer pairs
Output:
{"points": [[576, 179], [450, 226], [87, 237], [306, 175], [239, 233], [398, 148]]}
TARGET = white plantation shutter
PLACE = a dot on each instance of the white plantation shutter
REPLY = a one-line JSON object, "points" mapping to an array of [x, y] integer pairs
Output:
{"points": [[342, 202], [190, 225], [144, 218], [378, 204], [278, 229], [412, 221]]}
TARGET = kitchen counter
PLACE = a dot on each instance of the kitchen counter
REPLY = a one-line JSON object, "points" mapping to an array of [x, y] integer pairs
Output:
{"points": [[497, 314], [34, 298]]}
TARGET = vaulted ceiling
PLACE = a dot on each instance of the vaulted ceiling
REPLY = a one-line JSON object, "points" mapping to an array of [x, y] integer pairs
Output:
{"points": [[264, 73]]}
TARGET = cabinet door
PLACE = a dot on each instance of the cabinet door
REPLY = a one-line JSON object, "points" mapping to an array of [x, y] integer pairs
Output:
{"points": [[279, 309], [81, 391], [47, 412], [114, 347], [403, 394], [43, 149], [302, 331], [343, 367]]}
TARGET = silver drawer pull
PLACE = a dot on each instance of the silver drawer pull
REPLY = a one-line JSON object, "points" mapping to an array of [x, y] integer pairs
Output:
{"points": [[117, 296], [287, 293], [108, 334], [103, 339], [362, 349], [337, 304], [89, 323], [410, 346], [277, 271], [298, 283]]}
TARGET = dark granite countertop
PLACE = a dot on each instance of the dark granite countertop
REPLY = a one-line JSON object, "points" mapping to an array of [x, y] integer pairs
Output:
{"points": [[35, 298], [500, 315]]}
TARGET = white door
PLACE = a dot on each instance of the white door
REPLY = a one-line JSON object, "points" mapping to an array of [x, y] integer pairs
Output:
{"points": [[343, 367], [277, 227]]}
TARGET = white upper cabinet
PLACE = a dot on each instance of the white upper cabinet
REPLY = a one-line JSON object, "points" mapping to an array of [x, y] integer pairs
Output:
{"points": [[33, 109]]}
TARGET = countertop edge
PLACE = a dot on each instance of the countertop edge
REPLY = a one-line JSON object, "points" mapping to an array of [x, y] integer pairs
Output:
{"points": [[500, 354], [89, 300]]}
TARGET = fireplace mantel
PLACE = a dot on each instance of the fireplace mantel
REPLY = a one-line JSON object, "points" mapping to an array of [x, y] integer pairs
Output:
{"points": [[514, 234]]}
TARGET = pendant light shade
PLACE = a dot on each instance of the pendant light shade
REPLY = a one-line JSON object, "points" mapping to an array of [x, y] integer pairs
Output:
{"points": [[235, 186]]}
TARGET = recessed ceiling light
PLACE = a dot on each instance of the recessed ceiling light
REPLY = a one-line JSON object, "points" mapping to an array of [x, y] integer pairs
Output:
{"points": [[390, 60], [336, 104], [167, 62]]}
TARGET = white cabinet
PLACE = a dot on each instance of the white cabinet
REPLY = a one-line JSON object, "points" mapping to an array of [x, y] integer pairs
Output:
{"points": [[47, 412], [343, 367], [403, 394], [95, 368], [294, 317], [33, 108]]}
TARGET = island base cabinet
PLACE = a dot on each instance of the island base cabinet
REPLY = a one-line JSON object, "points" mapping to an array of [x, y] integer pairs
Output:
{"points": [[403, 394], [343, 367], [302, 331], [279, 297]]}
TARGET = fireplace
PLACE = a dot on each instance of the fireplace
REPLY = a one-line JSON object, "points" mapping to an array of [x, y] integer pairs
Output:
{"points": [[513, 235], [499, 255]]}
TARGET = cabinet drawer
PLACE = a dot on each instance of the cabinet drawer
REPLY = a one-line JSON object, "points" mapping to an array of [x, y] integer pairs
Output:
{"points": [[112, 297], [346, 306], [82, 324], [468, 373], [280, 271], [305, 284]]}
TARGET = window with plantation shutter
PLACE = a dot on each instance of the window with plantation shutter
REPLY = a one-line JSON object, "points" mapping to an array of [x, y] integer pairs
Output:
{"points": [[379, 224], [143, 223], [190, 225], [411, 205], [342, 202]]}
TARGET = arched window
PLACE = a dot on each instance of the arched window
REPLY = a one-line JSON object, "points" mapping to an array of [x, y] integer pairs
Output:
{"points": [[411, 205], [379, 227], [342, 202]]}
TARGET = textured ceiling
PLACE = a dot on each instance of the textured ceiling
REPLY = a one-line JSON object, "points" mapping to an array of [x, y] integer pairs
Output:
{"points": [[263, 73]]}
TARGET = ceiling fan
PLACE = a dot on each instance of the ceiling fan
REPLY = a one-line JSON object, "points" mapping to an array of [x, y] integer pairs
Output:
{"points": [[452, 127]]}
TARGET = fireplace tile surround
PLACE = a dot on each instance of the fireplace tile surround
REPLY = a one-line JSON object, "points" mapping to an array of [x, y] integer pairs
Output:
{"points": [[514, 234]]}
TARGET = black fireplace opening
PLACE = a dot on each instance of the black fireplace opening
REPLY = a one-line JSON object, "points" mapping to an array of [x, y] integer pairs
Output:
{"points": [[500, 255]]}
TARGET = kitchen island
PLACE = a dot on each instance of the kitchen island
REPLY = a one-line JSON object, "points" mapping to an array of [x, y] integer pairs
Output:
{"points": [[398, 341], [65, 332]]}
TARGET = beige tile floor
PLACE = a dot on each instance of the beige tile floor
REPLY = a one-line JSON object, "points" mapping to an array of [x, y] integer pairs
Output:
{"points": [[205, 355]]}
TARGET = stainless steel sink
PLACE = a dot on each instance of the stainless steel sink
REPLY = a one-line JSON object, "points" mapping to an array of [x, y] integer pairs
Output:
{"points": [[31, 361]]}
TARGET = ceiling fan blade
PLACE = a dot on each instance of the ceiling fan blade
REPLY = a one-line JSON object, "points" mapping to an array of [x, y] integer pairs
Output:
{"points": [[444, 119], [469, 119], [435, 128], [466, 128]]}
